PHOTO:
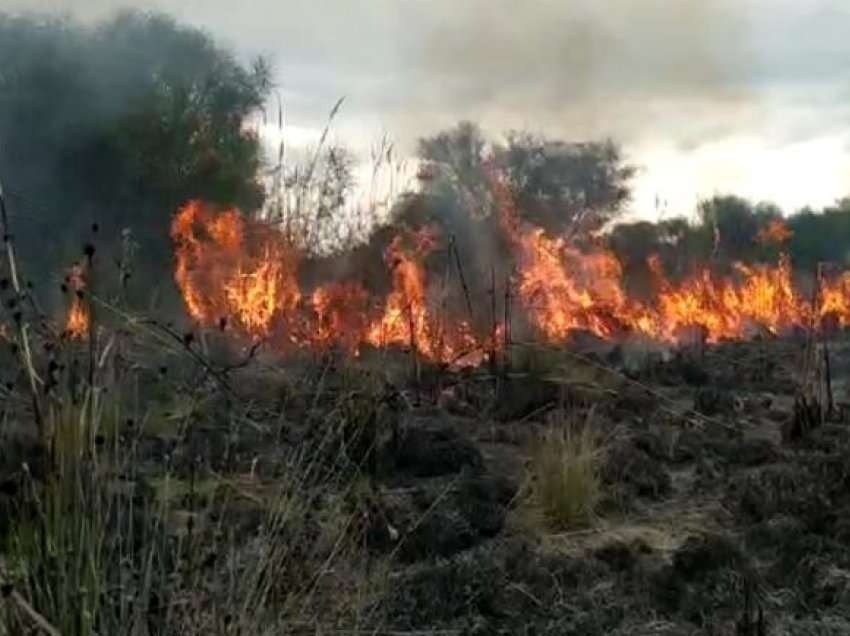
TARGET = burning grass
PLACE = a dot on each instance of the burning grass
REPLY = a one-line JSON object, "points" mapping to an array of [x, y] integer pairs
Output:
{"points": [[239, 273], [190, 487]]}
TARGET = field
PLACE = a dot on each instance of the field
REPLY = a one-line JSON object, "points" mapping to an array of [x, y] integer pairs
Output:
{"points": [[165, 484], [260, 376]]}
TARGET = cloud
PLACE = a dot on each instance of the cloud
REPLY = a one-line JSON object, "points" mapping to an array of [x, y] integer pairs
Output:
{"points": [[683, 74]]}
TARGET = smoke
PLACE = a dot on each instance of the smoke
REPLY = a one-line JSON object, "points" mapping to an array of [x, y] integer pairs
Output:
{"points": [[671, 81], [113, 125], [620, 50], [639, 71], [569, 64]]}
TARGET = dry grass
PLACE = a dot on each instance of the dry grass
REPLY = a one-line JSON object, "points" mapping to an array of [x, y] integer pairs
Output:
{"points": [[91, 558], [565, 484], [109, 540]]}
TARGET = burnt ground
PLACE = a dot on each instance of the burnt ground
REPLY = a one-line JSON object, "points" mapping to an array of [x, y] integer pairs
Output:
{"points": [[719, 516], [715, 521]]}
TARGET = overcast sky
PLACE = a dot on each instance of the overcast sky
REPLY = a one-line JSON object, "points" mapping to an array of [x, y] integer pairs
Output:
{"points": [[743, 96]]}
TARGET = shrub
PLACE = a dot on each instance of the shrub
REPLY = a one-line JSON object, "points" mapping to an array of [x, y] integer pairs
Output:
{"points": [[565, 475]]}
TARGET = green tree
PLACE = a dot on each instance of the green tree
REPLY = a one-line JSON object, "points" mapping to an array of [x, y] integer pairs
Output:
{"points": [[558, 185], [821, 237], [735, 224], [118, 124], [565, 186]]}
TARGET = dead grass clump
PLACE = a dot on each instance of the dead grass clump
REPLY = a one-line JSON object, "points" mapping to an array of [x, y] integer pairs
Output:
{"points": [[565, 482]]}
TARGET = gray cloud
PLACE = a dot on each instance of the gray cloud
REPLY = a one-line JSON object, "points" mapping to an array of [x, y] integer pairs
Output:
{"points": [[678, 72]]}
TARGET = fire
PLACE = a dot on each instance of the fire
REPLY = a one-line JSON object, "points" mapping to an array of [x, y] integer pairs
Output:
{"points": [[775, 232], [243, 273], [408, 319], [729, 307], [77, 321], [565, 290], [834, 299], [258, 291], [341, 315], [404, 320], [77, 326], [223, 276]]}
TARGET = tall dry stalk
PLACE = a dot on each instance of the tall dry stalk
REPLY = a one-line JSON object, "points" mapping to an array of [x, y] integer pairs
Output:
{"points": [[22, 329]]}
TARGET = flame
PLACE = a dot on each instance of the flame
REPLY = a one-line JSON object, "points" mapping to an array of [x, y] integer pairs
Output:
{"points": [[243, 273], [729, 307], [775, 232], [224, 277], [341, 315], [77, 321], [565, 290], [260, 290], [834, 299], [407, 319]]}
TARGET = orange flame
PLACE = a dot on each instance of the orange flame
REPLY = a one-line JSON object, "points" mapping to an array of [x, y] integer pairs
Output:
{"points": [[562, 288], [223, 276], [77, 321], [243, 272], [341, 315], [726, 308], [565, 290], [407, 319], [834, 299], [775, 232]]}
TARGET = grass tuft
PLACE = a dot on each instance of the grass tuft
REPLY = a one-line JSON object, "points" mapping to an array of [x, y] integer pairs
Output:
{"points": [[565, 486]]}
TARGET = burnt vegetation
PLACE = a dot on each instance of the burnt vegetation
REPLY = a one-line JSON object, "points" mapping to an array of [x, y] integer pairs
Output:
{"points": [[168, 467]]}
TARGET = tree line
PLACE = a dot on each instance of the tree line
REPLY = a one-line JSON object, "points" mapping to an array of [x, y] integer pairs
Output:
{"points": [[108, 128]]}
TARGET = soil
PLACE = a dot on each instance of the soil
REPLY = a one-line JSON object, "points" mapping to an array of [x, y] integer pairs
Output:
{"points": [[712, 523]]}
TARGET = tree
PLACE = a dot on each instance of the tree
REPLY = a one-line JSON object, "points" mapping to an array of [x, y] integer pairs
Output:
{"points": [[821, 237], [558, 185], [684, 245], [735, 224], [458, 170], [635, 242], [564, 186], [119, 124]]}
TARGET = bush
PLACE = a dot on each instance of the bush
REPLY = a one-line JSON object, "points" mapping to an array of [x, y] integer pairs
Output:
{"points": [[565, 475]]}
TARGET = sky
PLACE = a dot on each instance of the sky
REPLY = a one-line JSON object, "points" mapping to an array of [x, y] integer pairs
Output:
{"points": [[750, 97]]}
